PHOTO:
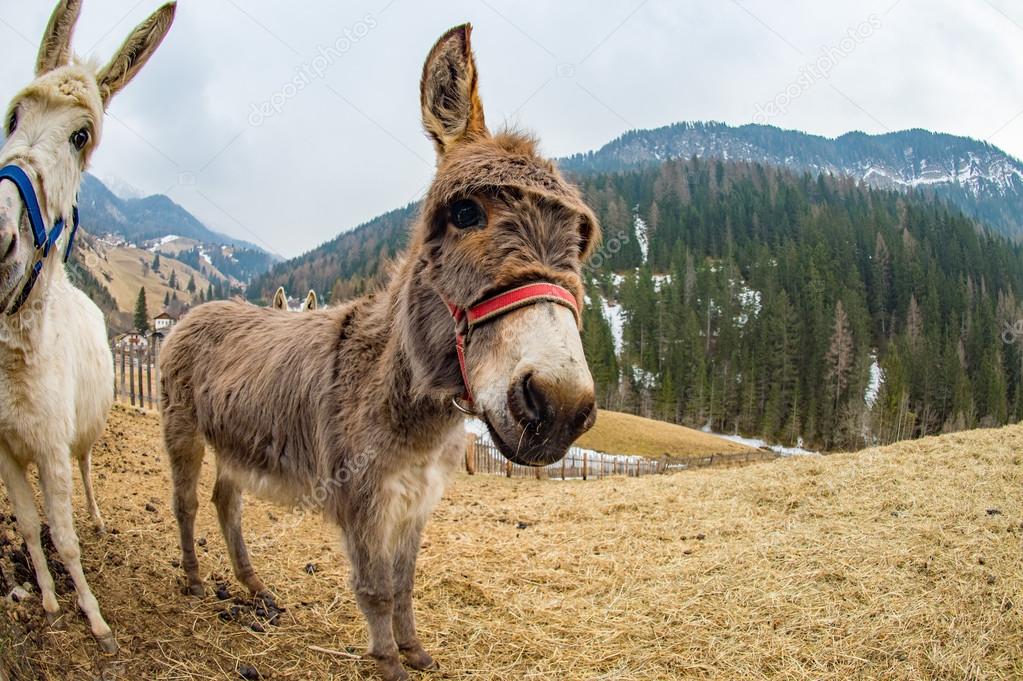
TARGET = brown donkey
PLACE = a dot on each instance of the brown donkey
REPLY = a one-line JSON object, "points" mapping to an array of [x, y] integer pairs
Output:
{"points": [[350, 409]]}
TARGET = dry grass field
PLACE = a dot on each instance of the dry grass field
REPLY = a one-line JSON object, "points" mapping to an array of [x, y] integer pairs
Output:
{"points": [[618, 433], [895, 563]]}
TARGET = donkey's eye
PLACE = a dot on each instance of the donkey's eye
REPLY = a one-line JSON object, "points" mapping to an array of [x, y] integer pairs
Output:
{"points": [[466, 214], [80, 138]]}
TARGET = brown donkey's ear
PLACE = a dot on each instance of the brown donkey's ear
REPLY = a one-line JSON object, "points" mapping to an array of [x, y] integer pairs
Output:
{"points": [[135, 52], [280, 300], [449, 92], [56, 48]]}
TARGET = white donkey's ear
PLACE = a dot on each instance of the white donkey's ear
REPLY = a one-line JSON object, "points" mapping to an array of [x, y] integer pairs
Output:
{"points": [[280, 300], [55, 50], [135, 52], [310, 302]]}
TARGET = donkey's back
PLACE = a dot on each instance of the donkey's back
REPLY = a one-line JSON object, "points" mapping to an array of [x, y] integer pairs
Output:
{"points": [[251, 381]]}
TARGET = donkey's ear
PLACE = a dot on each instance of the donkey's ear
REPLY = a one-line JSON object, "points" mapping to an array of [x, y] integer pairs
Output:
{"points": [[56, 48], [310, 302], [280, 300], [449, 92], [135, 52]]}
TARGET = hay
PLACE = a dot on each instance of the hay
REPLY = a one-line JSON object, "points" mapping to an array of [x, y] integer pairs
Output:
{"points": [[900, 563]]}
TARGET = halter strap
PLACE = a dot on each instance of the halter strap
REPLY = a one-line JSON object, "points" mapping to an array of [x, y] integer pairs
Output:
{"points": [[44, 240], [498, 306]]}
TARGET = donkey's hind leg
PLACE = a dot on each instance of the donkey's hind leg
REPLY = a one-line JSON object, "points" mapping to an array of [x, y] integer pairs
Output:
{"points": [[228, 500], [55, 479], [24, 505], [85, 468], [185, 450]]}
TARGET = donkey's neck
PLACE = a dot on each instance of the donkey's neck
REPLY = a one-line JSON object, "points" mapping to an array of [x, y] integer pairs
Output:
{"points": [[419, 365], [25, 333]]}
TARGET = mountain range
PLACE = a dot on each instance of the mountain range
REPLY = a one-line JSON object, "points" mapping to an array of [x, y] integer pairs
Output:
{"points": [[980, 179]]}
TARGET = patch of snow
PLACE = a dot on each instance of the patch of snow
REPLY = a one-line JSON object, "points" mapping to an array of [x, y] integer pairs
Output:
{"points": [[204, 255], [660, 280], [642, 237], [757, 443], [643, 378], [750, 303], [875, 382], [163, 241], [615, 317]]}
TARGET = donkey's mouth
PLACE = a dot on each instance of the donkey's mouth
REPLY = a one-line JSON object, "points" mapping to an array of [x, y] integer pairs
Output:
{"points": [[530, 450]]}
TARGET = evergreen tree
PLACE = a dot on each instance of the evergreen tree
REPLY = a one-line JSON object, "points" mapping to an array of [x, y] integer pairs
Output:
{"points": [[141, 312]]}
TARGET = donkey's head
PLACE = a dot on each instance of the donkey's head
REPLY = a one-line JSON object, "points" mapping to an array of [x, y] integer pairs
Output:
{"points": [[499, 217], [52, 128]]}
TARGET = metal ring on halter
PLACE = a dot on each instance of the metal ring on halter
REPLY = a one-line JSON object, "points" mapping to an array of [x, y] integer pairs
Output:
{"points": [[459, 407]]}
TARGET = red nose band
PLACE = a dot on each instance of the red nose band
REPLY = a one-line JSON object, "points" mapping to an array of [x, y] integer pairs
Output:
{"points": [[498, 306]]}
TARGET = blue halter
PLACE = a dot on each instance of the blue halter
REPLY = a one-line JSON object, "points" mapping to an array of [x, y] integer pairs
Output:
{"points": [[44, 240]]}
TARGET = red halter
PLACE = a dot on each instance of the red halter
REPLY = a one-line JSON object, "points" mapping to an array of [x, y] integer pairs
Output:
{"points": [[498, 306]]}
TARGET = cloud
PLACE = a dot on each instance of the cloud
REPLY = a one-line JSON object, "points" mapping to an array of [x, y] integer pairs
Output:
{"points": [[344, 141]]}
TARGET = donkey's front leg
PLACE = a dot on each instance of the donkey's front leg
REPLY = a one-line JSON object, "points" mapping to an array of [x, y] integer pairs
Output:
{"points": [[405, 556], [55, 479], [373, 584]]}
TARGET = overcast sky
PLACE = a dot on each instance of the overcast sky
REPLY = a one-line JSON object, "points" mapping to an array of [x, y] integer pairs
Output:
{"points": [[213, 122]]}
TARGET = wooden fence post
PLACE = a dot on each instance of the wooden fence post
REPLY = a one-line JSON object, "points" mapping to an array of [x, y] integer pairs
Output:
{"points": [[149, 370], [508, 468], [563, 466], [141, 354], [124, 373], [584, 465], [113, 354], [131, 374], [470, 453]]}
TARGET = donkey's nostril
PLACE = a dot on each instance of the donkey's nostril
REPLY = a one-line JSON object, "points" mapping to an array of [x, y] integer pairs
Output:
{"points": [[533, 399], [527, 400]]}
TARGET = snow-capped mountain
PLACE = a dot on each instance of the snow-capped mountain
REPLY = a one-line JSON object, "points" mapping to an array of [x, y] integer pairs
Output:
{"points": [[981, 179]]}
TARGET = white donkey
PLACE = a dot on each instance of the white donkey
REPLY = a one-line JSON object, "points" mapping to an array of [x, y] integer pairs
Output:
{"points": [[56, 372]]}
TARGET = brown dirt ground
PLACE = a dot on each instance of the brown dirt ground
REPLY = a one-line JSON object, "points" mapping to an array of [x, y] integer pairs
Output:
{"points": [[895, 563]]}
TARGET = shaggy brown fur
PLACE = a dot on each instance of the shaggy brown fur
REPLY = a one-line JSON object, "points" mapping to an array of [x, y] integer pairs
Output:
{"points": [[348, 409]]}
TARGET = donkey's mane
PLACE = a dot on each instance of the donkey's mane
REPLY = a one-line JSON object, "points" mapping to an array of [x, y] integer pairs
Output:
{"points": [[73, 85]]}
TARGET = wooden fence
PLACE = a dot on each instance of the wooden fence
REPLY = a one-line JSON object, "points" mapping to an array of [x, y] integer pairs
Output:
{"points": [[483, 457], [136, 374]]}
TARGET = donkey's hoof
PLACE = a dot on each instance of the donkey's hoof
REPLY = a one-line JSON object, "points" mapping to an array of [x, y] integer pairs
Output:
{"points": [[419, 659], [196, 590], [108, 643], [391, 670]]}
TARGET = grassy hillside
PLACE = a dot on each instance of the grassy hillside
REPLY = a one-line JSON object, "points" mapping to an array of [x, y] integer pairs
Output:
{"points": [[894, 563], [123, 270], [618, 433]]}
